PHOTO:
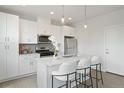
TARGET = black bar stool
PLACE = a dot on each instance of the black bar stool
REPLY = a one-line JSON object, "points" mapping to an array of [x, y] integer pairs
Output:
{"points": [[66, 73], [84, 71], [96, 64]]}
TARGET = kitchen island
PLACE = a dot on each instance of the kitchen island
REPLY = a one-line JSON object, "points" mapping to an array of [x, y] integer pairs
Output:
{"points": [[44, 68]]}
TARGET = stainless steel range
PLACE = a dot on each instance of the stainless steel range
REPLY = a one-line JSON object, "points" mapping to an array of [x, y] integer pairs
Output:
{"points": [[44, 52]]}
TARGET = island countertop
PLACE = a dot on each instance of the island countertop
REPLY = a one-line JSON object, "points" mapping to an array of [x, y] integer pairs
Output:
{"points": [[50, 61]]}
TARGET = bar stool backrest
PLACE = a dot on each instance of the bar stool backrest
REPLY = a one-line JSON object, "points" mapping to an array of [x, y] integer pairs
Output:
{"points": [[95, 60], [84, 63], [68, 67]]}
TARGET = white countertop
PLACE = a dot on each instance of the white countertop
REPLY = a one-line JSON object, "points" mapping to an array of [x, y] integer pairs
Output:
{"points": [[50, 61]]}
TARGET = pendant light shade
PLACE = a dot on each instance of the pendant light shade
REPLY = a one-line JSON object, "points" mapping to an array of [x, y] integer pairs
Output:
{"points": [[63, 19], [85, 19], [85, 26]]}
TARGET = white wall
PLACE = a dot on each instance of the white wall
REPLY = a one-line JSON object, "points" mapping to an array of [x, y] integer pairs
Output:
{"points": [[91, 42]]}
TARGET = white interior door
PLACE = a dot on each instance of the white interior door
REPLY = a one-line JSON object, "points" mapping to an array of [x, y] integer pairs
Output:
{"points": [[114, 50]]}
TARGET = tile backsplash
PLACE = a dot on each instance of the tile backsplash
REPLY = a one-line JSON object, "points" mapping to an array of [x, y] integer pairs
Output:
{"points": [[30, 48]]}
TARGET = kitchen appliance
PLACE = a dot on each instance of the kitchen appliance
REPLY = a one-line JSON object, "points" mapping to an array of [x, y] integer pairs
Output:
{"points": [[44, 52], [70, 46], [43, 39]]}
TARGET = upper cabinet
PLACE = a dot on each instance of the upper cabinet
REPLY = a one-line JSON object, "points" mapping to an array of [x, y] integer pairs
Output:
{"points": [[2, 27], [12, 28], [68, 31], [57, 33], [44, 27], [28, 32]]}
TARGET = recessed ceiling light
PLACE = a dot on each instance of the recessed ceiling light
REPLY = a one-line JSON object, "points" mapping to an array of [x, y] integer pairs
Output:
{"points": [[69, 18], [51, 13]]}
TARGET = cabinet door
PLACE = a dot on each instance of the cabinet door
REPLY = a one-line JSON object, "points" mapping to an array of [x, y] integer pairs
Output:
{"points": [[2, 27], [2, 61], [24, 66], [12, 59], [28, 31], [45, 30], [12, 28], [44, 27], [33, 63], [68, 31], [32, 29], [57, 32]]}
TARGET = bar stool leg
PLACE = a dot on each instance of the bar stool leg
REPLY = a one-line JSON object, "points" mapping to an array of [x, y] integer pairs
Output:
{"points": [[101, 74], [96, 76], [82, 79], [76, 80], [85, 77], [52, 81], [91, 78], [79, 78], [67, 81], [66, 84], [70, 83]]}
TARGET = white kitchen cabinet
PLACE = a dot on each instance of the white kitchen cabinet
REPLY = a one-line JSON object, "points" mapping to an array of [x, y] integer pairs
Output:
{"points": [[12, 60], [27, 63], [2, 27], [57, 33], [24, 66], [33, 63], [12, 28], [8, 46], [12, 45], [44, 27], [3, 71], [45, 30], [68, 31], [28, 32]]}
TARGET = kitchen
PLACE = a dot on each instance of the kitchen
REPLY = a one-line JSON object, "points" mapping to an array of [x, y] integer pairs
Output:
{"points": [[28, 44], [26, 49]]}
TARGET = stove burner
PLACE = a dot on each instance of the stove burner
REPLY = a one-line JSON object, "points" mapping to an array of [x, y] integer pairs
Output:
{"points": [[44, 52]]}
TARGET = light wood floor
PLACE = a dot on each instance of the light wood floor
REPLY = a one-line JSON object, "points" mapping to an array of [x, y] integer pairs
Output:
{"points": [[110, 81]]}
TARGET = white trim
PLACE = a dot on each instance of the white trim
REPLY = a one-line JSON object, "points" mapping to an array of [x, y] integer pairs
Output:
{"points": [[113, 26], [17, 77]]}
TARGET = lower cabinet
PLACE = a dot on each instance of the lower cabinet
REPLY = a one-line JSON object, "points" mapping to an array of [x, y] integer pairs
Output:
{"points": [[27, 63], [3, 69]]}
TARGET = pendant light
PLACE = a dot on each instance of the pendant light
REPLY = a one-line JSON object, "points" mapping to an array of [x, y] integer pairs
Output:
{"points": [[62, 19], [85, 17], [51, 15]]}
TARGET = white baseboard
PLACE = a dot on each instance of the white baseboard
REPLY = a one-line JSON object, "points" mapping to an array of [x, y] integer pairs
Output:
{"points": [[17, 77]]}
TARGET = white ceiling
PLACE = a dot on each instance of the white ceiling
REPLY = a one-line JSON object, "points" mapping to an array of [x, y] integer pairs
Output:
{"points": [[76, 12]]}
